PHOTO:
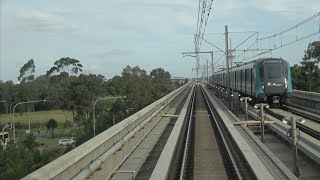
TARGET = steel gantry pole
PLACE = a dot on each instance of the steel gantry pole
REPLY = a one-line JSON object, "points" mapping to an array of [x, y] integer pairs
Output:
{"points": [[207, 72], [212, 70], [203, 52], [227, 63]]}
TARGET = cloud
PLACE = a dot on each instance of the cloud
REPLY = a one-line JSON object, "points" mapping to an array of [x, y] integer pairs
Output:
{"points": [[289, 8], [43, 22], [63, 11], [114, 53]]}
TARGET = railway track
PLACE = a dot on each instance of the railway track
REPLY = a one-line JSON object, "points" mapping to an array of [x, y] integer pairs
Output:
{"points": [[302, 127], [206, 154], [302, 113]]}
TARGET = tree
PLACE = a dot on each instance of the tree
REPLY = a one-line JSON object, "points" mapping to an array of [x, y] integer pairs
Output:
{"points": [[137, 87], [52, 124], [161, 81], [6, 91], [26, 76], [30, 141], [84, 90], [312, 52], [66, 65], [15, 162], [27, 72], [306, 76], [160, 76]]}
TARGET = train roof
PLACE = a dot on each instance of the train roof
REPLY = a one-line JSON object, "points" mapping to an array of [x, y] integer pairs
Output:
{"points": [[246, 65]]}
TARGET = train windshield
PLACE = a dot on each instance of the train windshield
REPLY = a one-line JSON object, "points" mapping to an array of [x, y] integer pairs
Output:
{"points": [[274, 70]]}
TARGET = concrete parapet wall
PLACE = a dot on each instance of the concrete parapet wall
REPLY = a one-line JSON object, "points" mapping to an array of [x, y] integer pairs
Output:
{"points": [[77, 160], [306, 99]]}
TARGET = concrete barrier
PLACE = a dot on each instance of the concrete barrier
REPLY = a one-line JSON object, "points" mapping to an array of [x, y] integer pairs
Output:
{"points": [[306, 99], [80, 159]]}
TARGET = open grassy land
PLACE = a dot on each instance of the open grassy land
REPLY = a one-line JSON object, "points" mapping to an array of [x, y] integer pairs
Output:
{"points": [[38, 117]]}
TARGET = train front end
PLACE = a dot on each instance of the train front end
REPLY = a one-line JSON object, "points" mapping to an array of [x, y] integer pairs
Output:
{"points": [[275, 81]]}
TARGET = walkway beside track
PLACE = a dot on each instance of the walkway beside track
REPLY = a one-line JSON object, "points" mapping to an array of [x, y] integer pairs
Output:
{"points": [[208, 163]]}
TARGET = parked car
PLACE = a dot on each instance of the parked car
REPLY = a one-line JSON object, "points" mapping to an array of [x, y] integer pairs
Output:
{"points": [[64, 142], [73, 140]]}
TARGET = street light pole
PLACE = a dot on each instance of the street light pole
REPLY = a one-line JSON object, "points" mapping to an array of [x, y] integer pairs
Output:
{"points": [[13, 120], [94, 107]]}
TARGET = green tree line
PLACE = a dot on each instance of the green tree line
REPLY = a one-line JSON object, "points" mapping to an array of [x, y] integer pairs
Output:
{"points": [[306, 76], [65, 87]]}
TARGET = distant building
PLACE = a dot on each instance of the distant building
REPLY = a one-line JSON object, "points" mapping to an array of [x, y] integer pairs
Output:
{"points": [[180, 80]]}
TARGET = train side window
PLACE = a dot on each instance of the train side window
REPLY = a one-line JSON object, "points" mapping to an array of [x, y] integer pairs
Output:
{"points": [[261, 70], [235, 80], [223, 80], [241, 80], [251, 74], [245, 80]]}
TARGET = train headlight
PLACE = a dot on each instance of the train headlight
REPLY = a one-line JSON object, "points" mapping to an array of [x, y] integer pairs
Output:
{"points": [[286, 83], [262, 87]]}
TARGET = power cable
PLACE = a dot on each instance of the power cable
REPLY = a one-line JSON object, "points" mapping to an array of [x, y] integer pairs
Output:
{"points": [[284, 45], [280, 34], [293, 27]]}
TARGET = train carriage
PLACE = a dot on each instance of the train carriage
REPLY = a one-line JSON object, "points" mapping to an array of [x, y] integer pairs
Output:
{"points": [[266, 80]]}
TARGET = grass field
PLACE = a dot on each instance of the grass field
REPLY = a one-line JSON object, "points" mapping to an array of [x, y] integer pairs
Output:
{"points": [[38, 117]]}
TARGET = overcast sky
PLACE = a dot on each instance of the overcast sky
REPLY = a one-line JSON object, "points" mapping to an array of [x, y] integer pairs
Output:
{"points": [[108, 35]]}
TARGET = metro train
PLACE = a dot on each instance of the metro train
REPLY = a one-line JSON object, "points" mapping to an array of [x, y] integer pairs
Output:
{"points": [[265, 80]]}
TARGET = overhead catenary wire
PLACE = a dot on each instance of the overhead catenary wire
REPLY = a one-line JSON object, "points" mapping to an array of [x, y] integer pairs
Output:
{"points": [[206, 20], [281, 33], [293, 27], [203, 20], [245, 40], [283, 45], [213, 45]]}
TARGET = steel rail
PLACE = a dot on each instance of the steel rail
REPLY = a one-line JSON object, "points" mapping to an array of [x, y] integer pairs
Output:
{"points": [[236, 171], [302, 113], [302, 127], [186, 146], [280, 171]]}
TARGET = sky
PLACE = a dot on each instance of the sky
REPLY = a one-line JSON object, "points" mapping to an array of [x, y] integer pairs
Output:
{"points": [[106, 36]]}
